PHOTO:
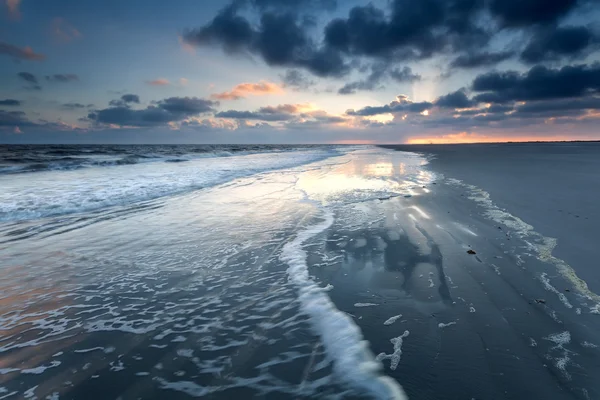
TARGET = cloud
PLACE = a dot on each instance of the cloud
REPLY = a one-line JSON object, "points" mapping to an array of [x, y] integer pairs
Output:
{"points": [[244, 90], [530, 12], [25, 53], [283, 112], [279, 40], [159, 82], [554, 43], [10, 102], [254, 115], [558, 107], [401, 105], [125, 100], [538, 83], [31, 79], [28, 77], [12, 7], [379, 72], [404, 75], [291, 115], [453, 100], [131, 98], [408, 30], [74, 106], [64, 31], [329, 5], [161, 113], [63, 78], [480, 59], [296, 80], [13, 118]]}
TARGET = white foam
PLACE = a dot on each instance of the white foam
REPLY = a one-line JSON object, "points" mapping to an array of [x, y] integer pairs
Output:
{"points": [[397, 354], [546, 281], [364, 304], [41, 368], [442, 325], [352, 360], [561, 361], [6, 396], [589, 345], [29, 393], [393, 319], [185, 353], [472, 309]]}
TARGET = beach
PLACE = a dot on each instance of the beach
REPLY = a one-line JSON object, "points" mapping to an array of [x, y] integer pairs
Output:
{"points": [[286, 272]]}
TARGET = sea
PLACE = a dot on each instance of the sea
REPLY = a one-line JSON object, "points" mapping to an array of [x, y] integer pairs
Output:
{"points": [[300, 272]]}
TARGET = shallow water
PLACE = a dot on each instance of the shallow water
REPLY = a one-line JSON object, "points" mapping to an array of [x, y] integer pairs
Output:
{"points": [[318, 273]]}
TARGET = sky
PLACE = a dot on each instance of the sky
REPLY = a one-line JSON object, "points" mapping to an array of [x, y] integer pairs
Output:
{"points": [[299, 71]]}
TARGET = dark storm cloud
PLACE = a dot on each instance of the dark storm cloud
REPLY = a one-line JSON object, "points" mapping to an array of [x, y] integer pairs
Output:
{"points": [[329, 5], [296, 80], [279, 40], [538, 83], [162, 112], [25, 53], [557, 106], [63, 78], [531, 12], [10, 102], [28, 77], [483, 59], [456, 99], [400, 105], [414, 29], [379, 72], [557, 42], [405, 74]]}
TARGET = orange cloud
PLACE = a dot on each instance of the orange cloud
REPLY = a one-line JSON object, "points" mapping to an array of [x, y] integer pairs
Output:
{"points": [[64, 31], [465, 137], [13, 9], [159, 82], [244, 90]]}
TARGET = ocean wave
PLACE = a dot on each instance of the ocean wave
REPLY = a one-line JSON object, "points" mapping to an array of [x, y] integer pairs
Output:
{"points": [[89, 189], [343, 340], [28, 159]]}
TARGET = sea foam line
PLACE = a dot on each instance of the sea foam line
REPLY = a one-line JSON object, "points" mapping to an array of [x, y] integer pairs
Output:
{"points": [[540, 244], [343, 340]]}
